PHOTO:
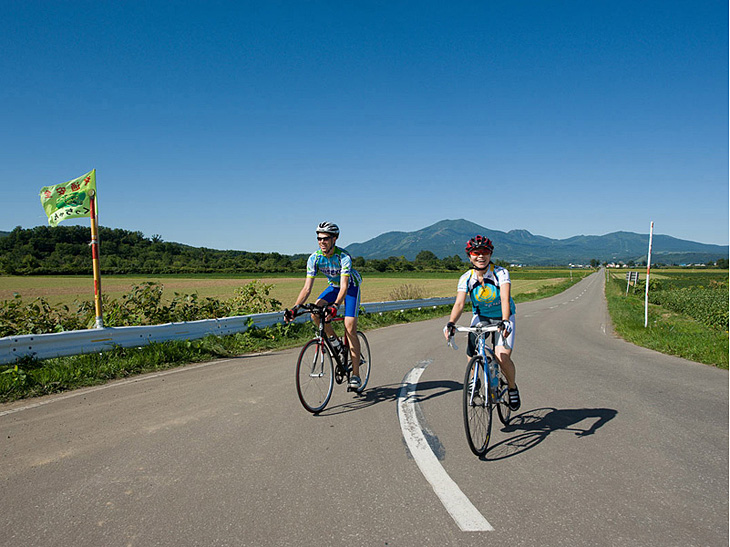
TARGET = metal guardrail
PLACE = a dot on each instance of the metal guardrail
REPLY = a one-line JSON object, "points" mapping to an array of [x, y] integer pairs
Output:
{"points": [[62, 344]]}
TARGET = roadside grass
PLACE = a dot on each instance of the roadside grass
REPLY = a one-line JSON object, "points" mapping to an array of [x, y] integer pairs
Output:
{"points": [[32, 378], [667, 331]]}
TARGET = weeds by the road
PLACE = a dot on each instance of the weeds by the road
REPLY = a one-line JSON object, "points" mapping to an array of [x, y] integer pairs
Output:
{"points": [[667, 331]]}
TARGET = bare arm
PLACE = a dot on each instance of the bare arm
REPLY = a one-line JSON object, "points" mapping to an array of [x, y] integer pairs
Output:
{"points": [[504, 294], [305, 292], [457, 310]]}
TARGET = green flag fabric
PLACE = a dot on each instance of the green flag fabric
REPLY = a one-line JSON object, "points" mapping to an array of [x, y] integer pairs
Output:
{"points": [[69, 199]]}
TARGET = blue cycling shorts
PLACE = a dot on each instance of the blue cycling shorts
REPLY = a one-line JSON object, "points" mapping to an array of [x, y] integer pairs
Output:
{"points": [[352, 298]]}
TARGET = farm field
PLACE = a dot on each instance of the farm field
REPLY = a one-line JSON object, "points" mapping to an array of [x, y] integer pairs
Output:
{"points": [[377, 288], [687, 315]]}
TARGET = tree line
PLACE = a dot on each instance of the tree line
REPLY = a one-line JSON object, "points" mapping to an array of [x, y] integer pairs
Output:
{"points": [[65, 250]]}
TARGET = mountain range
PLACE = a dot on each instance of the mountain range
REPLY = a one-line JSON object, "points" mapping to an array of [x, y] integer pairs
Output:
{"points": [[448, 238]]}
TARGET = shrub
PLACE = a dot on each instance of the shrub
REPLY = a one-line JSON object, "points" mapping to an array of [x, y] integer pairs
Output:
{"points": [[253, 298], [407, 292], [142, 305]]}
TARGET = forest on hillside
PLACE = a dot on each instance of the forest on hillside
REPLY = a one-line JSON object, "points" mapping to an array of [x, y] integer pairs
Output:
{"points": [[65, 250]]}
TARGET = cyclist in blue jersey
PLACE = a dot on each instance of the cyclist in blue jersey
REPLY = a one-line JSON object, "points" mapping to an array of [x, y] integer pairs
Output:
{"points": [[488, 287], [344, 286]]}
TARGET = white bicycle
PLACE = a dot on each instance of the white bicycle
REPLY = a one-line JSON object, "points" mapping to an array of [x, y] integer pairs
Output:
{"points": [[485, 387]]}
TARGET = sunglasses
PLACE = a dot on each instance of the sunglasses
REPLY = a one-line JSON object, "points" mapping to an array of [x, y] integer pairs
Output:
{"points": [[480, 253], [324, 238]]}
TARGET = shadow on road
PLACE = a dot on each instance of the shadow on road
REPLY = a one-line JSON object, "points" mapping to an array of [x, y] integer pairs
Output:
{"points": [[534, 426], [389, 393]]}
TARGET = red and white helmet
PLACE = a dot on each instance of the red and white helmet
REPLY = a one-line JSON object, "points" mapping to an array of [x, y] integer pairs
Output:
{"points": [[479, 242]]}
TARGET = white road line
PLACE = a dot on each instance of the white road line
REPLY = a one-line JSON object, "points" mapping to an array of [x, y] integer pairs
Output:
{"points": [[466, 516]]}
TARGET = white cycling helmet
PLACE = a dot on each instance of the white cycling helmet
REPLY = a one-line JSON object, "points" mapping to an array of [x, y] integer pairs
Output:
{"points": [[328, 228]]}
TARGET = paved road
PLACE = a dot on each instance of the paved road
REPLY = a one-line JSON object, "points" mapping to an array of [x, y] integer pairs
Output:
{"points": [[614, 445]]}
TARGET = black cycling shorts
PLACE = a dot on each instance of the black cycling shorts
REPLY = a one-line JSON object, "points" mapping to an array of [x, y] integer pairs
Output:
{"points": [[471, 345]]}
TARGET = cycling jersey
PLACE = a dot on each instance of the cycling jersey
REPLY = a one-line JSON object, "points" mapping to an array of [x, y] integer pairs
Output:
{"points": [[339, 264], [485, 297]]}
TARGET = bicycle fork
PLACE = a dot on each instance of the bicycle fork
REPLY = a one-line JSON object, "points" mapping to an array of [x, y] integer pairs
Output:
{"points": [[318, 363], [476, 384]]}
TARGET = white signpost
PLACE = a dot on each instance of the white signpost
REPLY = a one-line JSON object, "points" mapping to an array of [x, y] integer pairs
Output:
{"points": [[631, 277], [648, 269]]}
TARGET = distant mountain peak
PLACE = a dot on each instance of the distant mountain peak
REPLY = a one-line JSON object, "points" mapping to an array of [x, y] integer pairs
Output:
{"points": [[447, 238]]}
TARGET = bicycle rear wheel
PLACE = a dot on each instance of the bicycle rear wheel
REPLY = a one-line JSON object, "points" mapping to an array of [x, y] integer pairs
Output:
{"points": [[477, 407], [315, 376], [365, 361], [503, 409]]}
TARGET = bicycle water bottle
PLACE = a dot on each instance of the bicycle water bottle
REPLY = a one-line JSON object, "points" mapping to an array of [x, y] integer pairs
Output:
{"points": [[493, 374], [336, 345]]}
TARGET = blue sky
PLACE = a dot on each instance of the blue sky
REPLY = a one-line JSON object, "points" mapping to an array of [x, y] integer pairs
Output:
{"points": [[241, 125]]}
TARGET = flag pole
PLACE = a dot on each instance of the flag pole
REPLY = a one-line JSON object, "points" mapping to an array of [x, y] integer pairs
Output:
{"points": [[95, 262], [648, 269]]}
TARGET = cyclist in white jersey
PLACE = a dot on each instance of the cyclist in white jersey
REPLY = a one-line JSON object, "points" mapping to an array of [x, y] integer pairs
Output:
{"points": [[488, 287], [344, 286]]}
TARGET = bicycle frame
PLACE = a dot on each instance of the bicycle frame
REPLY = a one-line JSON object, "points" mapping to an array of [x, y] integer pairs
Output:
{"points": [[487, 355], [324, 340], [320, 366]]}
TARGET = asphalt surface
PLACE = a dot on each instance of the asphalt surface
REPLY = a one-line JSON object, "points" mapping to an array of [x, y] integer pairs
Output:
{"points": [[614, 445]]}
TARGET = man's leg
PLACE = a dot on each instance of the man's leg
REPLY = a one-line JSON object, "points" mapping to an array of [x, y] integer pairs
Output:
{"points": [[352, 338]]}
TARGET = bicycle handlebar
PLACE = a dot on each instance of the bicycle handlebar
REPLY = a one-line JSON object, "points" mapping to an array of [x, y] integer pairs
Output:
{"points": [[321, 311], [310, 308], [477, 329]]}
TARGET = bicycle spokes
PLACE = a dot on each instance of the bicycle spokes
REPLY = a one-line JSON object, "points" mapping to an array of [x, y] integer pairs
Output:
{"points": [[475, 397], [477, 407], [315, 376]]}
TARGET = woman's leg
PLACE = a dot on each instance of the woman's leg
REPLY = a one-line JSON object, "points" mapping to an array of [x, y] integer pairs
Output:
{"points": [[503, 352], [504, 356]]}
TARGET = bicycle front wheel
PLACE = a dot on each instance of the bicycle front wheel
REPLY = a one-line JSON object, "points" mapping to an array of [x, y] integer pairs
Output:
{"points": [[503, 409], [477, 406], [315, 376], [365, 361]]}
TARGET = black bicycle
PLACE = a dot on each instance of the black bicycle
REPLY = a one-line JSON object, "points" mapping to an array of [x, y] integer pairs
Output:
{"points": [[485, 387], [320, 365]]}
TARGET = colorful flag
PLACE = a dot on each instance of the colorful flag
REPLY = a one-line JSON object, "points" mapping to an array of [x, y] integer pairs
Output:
{"points": [[69, 199]]}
